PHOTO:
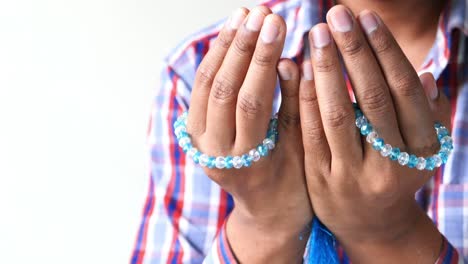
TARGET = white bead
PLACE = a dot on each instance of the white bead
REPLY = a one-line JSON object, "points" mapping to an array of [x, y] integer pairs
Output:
{"points": [[446, 139], [219, 162], [386, 150], [254, 155], [403, 159], [192, 152], [270, 144], [184, 141], [180, 129], [360, 121], [204, 160], [437, 160], [237, 162], [372, 137], [421, 163]]}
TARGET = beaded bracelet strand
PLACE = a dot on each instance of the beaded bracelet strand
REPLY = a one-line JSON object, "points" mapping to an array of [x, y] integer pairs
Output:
{"points": [[225, 162], [268, 144], [404, 158]]}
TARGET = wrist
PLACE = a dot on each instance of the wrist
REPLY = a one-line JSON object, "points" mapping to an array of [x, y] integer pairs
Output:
{"points": [[416, 241], [263, 239]]}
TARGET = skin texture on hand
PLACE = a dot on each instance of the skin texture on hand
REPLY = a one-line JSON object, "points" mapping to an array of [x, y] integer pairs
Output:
{"points": [[366, 200], [230, 110]]}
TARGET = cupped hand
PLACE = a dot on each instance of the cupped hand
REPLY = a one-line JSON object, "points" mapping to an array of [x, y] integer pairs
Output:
{"points": [[230, 110], [366, 199]]}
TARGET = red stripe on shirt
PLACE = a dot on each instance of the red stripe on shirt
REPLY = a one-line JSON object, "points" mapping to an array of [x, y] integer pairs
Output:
{"points": [[170, 194], [149, 205]]}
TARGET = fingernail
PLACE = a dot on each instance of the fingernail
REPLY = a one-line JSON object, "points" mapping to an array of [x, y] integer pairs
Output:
{"points": [[430, 86], [320, 37], [284, 73], [307, 71], [236, 19], [368, 22], [270, 31], [341, 20], [255, 20], [433, 92]]}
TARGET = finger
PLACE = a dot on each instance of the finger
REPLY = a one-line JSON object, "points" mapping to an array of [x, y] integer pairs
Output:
{"points": [[255, 99], [370, 87], [335, 105], [223, 96], [317, 152], [413, 113], [438, 102], [288, 115], [207, 70]]}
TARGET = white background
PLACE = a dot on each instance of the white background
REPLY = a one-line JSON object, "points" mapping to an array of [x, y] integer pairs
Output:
{"points": [[76, 79]]}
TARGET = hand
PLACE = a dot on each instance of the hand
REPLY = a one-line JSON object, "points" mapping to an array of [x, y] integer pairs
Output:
{"points": [[229, 114], [366, 200]]}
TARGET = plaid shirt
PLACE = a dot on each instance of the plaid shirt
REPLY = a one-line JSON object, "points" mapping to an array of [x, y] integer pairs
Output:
{"points": [[184, 214]]}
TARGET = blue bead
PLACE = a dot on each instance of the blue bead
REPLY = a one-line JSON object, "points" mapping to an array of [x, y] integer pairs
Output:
{"points": [[228, 162], [186, 147], [443, 156], [413, 160], [378, 144], [442, 132], [447, 145], [182, 134], [270, 134], [211, 162], [358, 113], [273, 123], [273, 135], [366, 129], [395, 153], [263, 150], [437, 125], [247, 160], [430, 164], [196, 157]]}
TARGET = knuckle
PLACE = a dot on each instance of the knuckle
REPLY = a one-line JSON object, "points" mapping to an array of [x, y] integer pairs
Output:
{"points": [[205, 75], [263, 57], [352, 47], [308, 98], [223, 91], [242, 45], [381, 44], [375, 99], [288, 119], [407, 85], [325, 65], [249, 105], [337, 117], [224, 41], [313, 130]]}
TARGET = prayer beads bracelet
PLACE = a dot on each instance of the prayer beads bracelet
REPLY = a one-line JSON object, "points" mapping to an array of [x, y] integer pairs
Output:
{"points": [[225, 162], [404, 158]]}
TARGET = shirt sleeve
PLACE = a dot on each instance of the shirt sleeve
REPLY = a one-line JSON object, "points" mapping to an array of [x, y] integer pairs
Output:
{"points": [[448, 254], [450, 212], [221, 251], [184, 209]]}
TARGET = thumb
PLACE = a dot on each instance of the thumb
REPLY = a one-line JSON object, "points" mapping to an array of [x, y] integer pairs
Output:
{"points": [[438, 102]]}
